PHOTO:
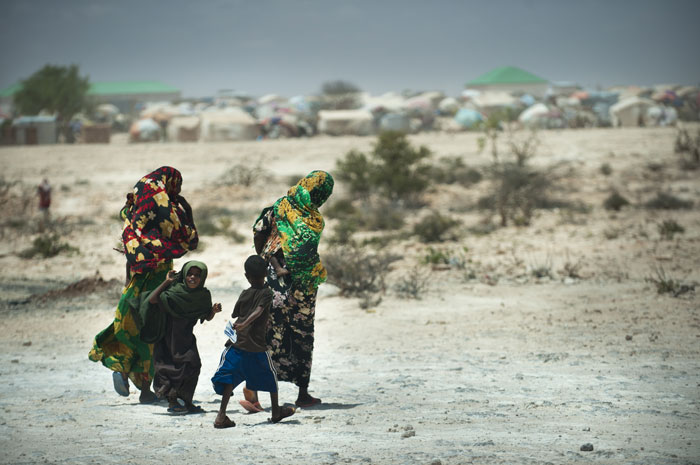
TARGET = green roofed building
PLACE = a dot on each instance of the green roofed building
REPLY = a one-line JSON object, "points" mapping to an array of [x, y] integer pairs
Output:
{"points": [[512, 80], [126, 95]]}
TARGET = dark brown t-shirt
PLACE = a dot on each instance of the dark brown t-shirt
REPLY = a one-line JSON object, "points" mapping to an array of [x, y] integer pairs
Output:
{"points": [[253, 337]]}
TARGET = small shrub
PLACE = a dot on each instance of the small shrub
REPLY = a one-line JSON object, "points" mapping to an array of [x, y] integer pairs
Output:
{"points": [[357, 272], [516, 191], [606, 169], [435, 227], [571, 269], [666, 201], [46, 246], [394, 169], [445, 257], [412, 284], [668, 285], [611, 233], [615, 201], [452, 170], [381, 216], [341, 208], [244, 175], [668, 228], [541, 269]]}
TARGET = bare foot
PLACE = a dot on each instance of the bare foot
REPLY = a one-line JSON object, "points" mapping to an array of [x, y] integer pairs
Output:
{"points": [[147, 397], [224, 422], [281, 272], [284, 413]]}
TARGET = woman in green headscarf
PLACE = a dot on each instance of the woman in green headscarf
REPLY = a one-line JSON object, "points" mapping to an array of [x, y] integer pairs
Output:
{"points": [[166, 318], [290, 230]]}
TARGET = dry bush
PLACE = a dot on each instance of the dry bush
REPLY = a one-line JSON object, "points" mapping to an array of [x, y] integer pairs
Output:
{"points": [[688, 147], [358, 272], [413, 284], [245, 175], [16, 200], [667, 201], [435, 227], [665, 284], [615, 201], [669, 228], [46, 246]]}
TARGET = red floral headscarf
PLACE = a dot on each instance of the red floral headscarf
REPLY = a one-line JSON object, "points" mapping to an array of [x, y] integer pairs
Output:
{"points": [[156, 228]]}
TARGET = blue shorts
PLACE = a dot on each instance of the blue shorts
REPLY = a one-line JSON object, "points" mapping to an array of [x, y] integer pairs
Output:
{"points": [[236, 366]]}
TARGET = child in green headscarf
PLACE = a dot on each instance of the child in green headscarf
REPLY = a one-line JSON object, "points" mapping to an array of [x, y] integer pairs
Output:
{"points": [[166, 318]]}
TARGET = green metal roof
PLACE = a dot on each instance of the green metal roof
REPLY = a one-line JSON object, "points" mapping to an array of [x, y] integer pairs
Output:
{"points": [[507, 75], [130, 87], [10, 91], [111, 88]]}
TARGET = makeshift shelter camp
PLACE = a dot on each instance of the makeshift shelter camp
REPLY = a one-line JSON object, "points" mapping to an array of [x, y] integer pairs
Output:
{"points": [[345, 122], [630, 112], [535, 115], [510, 79], [228, 125], [448, 106], [32, 130]]}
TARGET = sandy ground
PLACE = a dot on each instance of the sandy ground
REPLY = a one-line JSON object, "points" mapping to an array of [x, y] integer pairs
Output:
{"points": [[491, 365]]}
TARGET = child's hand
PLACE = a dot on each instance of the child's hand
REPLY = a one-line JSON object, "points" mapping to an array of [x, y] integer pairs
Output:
{"points": [[216, 308], [172, 276]]}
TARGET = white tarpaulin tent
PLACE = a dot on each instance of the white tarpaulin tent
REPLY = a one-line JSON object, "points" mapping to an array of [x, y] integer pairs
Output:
{"points": [[630, 112], [183, 128], [345, 122], [488, 101], [227, 125]]}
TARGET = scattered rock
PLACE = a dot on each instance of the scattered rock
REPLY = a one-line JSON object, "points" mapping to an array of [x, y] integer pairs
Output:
{"points": [[436, 462], [408, 434], [587, 428], [587, 447], [628, 338], [14, 360], [27, 344]]}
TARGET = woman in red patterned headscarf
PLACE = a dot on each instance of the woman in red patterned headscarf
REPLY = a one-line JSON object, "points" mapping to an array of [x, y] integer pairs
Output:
{"points": [[158, 227]]}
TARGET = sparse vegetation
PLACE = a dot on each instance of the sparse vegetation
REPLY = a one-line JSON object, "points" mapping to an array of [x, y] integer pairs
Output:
{"points": [[453, 170], [688, 147], [216, 221], [46, 246], [615, 201], [244, 175], [665, 284], [435, 227], [606, 169], [667, 201], [412, 284], [357, 272], [669, 228], [394, 169]]}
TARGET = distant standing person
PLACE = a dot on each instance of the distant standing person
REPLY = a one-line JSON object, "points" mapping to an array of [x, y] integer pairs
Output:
{"points": [[44, 192], [158, 227], [293, 225]]}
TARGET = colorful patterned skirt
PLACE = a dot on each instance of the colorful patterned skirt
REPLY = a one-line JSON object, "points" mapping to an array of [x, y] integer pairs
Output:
{"points": [[119, 346], [291, 334]]}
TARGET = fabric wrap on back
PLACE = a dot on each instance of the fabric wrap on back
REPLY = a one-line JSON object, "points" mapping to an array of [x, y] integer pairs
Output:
{"points": [[300, 225], [178, 300], [156, 228]]}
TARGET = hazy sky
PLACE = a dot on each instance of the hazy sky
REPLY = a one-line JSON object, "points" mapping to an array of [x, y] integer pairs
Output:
{"points": [[292, 46]]}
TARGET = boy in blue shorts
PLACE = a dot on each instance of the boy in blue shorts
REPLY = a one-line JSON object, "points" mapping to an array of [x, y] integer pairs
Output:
{"points": [[247, 359]]}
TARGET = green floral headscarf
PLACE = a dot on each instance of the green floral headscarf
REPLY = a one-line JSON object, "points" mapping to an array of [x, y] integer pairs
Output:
{"points": [[300, 225]]}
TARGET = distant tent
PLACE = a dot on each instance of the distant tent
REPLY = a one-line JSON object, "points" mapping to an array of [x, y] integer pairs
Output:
{"points": [[630, 112], [399, 122], [184, 129], [468, 118], [345, 122], [144, 130], [510, 79], [228, 125]]}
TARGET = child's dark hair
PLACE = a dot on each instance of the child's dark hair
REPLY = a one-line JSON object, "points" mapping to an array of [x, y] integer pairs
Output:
{"points": [[255, 267]]}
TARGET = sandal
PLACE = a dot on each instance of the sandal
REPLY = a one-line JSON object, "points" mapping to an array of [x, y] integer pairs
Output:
{"points": [[226, 423], [309, 403], [284, 413], [251, 407], [178, 410], [195, 409], [120, 384]]}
